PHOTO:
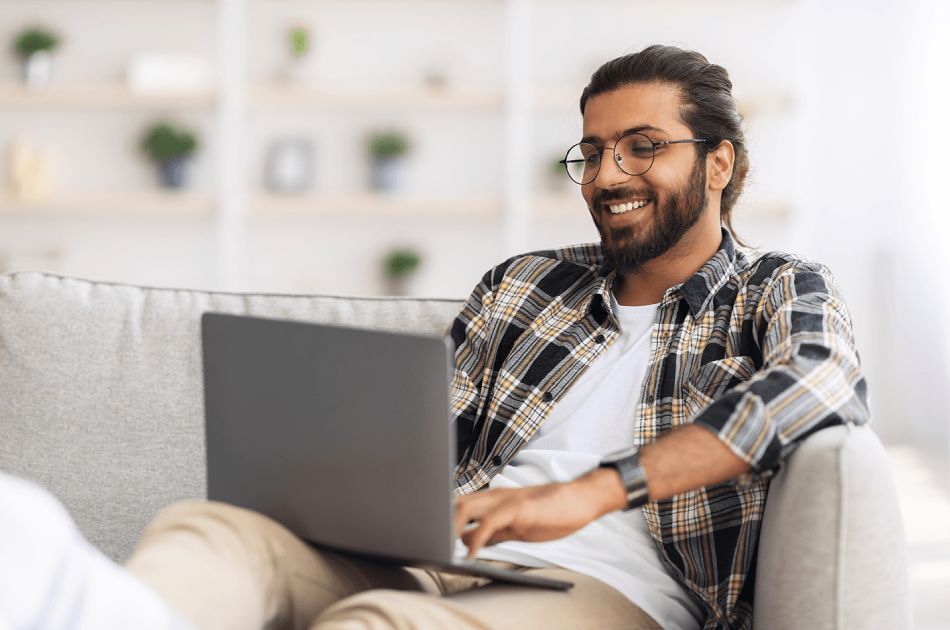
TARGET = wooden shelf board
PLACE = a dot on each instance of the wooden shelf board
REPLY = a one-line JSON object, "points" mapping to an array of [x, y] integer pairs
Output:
{"points": [[291, 95], [376, 205], [14, 96], [118, 203], [373, 205]]}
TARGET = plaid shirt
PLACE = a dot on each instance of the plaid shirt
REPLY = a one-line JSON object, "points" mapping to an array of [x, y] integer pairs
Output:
{"points": [[756, 347]]}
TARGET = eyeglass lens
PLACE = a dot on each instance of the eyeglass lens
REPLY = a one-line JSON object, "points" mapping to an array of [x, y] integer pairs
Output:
{"points": [[633, 154]]}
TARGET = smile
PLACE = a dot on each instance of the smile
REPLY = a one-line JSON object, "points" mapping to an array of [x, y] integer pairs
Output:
{"points": [[626, 207]]}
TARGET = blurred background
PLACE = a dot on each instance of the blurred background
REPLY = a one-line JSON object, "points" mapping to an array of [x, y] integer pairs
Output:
{"points": [[405, 146]]}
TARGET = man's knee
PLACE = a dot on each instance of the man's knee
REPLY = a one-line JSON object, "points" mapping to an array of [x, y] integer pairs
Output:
{"points": [[212, 523], [385, 609]]}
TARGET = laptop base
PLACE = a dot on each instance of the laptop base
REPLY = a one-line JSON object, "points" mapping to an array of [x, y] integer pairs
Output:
{"points": [[460, 567]]}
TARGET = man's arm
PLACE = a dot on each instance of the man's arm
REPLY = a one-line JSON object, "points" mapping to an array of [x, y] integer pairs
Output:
{"points": [[683, 460]]}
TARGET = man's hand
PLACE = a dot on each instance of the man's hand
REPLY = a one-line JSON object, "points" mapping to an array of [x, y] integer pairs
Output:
{"points": [[538, 513]]}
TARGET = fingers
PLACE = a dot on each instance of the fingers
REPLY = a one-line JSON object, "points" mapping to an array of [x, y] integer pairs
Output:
{"points": [[489, 531], [484, 518]]}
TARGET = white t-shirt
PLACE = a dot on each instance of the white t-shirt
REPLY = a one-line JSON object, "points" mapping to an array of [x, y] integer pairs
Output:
{"points": [[595, 418], [51, 578]]}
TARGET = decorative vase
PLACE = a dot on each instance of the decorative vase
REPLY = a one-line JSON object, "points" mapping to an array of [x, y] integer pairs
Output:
{"points": [[397, 286], [290, 165], [37, 69], [386, 172], [173, 172]]}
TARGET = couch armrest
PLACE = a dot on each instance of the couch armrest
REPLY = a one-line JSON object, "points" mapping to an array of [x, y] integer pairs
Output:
{"points": [[832, 552]]}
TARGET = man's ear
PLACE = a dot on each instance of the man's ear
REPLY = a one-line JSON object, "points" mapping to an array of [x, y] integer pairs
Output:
{"points": [[719, 164]]}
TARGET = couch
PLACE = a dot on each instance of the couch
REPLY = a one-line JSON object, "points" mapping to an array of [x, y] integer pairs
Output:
{"points": [[101, 403]]}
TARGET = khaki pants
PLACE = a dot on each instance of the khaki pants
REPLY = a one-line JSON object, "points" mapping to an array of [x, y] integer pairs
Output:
{"points": [[227, 568]]}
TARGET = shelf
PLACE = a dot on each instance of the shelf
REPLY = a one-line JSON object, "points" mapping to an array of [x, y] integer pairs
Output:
{"points": [[13, 96], [374, 205], [115, 204], [357, 205], [295, 95]]}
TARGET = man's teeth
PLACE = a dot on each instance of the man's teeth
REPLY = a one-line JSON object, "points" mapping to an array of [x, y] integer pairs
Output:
{"points": [[624, 207]]}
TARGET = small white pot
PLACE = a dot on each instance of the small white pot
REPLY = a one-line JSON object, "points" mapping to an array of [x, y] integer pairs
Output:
{"points": [[37, 69], [386, 173]]}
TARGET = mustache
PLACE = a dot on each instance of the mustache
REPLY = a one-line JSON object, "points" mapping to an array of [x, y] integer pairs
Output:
{"points": [[602, 196]]}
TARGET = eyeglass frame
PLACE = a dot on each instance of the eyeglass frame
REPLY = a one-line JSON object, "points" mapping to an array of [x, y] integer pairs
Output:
{"points": [[600, 152]]}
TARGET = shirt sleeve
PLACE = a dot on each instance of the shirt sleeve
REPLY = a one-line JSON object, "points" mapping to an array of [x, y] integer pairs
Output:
{"points": [[810, 376], [469, 334]]}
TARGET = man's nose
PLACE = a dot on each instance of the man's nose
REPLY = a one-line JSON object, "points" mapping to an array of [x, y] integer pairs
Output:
{"points": [[610, 173]]}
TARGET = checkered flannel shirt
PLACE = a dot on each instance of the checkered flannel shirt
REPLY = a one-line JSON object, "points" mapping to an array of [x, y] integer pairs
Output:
{"points": [[756, 347]]}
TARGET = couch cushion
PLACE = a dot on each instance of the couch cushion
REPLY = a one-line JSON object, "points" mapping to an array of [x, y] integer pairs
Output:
{"points": [[101, 389], [832, 554]]}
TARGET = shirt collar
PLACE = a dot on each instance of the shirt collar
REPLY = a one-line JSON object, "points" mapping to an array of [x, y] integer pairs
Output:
{"points": [[598, 298], [700, 288]]}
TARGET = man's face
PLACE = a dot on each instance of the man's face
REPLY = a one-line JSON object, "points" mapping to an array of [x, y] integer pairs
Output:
{"points": [[671, 195]]}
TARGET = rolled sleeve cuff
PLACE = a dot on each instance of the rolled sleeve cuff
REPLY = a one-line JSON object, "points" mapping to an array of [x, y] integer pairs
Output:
{"points": [[740, 419]]}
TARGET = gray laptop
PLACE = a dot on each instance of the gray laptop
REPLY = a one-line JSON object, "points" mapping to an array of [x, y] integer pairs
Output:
{"points": [[340, 434]]}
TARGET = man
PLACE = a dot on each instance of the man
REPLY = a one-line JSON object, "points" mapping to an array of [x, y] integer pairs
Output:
{"points": [[702, 363]]}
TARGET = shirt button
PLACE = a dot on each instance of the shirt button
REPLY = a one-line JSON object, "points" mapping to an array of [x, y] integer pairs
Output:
{"points": [[650, 400], [496, 460], [547, 396], [600, 339]]}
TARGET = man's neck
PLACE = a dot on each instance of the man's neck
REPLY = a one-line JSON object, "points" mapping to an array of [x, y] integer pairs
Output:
{"points": [[650, 283]]}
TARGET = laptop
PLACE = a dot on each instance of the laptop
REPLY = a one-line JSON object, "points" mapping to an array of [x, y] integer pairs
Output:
{"points": [[342, 435]]}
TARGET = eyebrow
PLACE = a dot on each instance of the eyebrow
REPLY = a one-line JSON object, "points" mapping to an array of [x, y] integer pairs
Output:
{"points": [[638, 129]]}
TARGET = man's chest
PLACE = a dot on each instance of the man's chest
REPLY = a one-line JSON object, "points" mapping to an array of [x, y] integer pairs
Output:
{"points": [[690, 361]]}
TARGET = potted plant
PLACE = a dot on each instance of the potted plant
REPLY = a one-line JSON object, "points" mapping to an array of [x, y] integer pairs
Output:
{"points": [[398, 266], [387, 150], [170, 146], [558, 180], [299, 41], [35, 47]]}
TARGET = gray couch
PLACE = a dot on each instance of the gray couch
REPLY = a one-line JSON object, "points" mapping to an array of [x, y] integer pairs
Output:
{"points": [[101, 403]]}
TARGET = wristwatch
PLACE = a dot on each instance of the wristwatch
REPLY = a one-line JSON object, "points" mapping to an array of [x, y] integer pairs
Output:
{"points": [[634, 478]]}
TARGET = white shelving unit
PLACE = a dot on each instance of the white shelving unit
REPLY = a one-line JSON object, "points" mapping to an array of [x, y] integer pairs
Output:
{"points": [[515, 205]]}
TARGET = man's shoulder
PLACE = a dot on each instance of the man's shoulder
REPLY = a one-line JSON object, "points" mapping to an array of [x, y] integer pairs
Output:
{"points": [[762, 268], [555, 267]]}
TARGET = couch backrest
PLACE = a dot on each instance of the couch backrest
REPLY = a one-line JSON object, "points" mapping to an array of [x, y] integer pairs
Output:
{"points": [[101, 389]]}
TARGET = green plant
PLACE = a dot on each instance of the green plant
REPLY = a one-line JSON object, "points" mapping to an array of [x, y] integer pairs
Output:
{"points": [[401, 262], [558, 167], [298, 41], [388, 144], [165, 140], [33, 40]]}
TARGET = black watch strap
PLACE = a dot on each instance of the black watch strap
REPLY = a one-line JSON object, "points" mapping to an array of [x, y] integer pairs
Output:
{"points": [[634, 478]]}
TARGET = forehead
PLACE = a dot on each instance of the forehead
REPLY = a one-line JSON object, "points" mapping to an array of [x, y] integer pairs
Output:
{"points": [[652, 105]]}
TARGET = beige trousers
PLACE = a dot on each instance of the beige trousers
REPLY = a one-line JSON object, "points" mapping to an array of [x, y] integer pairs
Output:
{"points": [[225, 568]]}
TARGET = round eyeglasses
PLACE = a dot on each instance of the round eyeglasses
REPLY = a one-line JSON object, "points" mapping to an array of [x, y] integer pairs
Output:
{"points": [[634, 154]]}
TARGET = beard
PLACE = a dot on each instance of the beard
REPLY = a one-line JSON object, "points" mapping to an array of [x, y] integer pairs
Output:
{"points": [[628, 249]]}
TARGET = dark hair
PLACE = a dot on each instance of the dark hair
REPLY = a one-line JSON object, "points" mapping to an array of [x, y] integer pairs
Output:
{"points": [[707, 105]]}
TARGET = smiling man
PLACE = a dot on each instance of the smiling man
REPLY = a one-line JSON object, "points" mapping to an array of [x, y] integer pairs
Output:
{"points": [[620, 405]]}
